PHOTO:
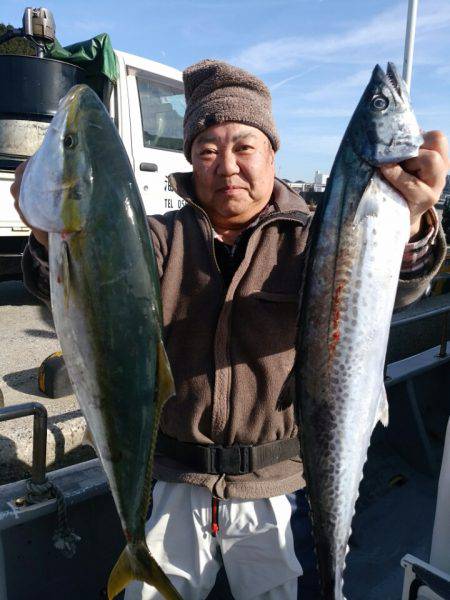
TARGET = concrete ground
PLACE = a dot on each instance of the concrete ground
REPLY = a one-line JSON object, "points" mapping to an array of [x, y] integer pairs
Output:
{"points": [[27, 337]]}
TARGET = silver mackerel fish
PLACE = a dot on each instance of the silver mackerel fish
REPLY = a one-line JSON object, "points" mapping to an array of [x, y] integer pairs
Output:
{"points": [[355, 251]]}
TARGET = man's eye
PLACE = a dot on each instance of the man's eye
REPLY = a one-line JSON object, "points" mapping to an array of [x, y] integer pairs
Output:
{"points": [[244, 148], [207, 152]]}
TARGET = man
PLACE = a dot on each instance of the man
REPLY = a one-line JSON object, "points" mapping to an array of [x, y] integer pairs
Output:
{"points": [[228, 471]]}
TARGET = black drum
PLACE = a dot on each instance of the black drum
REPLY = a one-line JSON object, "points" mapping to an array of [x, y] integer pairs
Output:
{"points": [[32, 87], [30, 91]]}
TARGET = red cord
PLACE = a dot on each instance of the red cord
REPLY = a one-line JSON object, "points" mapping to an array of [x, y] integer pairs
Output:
{"points": [[215, 516]]}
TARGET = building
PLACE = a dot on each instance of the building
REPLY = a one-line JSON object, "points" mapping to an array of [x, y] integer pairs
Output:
{"points": [[320, 181], [300, 186]]}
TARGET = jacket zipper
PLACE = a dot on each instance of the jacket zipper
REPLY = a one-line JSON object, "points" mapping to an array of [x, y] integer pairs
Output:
{"points": [[211, 232], [286, 216], [293, 216]]}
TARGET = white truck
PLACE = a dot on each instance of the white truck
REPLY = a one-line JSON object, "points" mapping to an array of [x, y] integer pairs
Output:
{"points": [[147, 105]]}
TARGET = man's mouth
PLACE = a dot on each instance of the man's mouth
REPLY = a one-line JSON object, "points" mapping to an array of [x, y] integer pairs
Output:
{"points": [[230, 188]]}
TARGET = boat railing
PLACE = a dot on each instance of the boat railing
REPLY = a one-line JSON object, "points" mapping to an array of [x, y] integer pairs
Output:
{"points": [[433, 312]]}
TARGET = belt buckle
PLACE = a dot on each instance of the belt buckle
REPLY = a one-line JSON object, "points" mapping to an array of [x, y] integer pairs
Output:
{"points": [[230, 460], [245, 462]]}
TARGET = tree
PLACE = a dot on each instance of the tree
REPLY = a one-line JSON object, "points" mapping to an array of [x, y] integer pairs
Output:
{"points": [[16, 45]]}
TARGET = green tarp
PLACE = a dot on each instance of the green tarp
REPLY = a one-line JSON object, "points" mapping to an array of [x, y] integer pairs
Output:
{"points": [[96, 56]]}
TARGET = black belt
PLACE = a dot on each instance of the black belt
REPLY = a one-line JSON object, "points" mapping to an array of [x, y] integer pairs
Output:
{"points": [[232, 460]]}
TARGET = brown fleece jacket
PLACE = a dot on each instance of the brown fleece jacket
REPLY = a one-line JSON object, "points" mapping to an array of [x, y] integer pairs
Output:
{"points": [[231, 349]]}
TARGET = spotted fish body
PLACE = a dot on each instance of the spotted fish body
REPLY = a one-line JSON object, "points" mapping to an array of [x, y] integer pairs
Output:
{"points": [[354, 257], [106, 305]]}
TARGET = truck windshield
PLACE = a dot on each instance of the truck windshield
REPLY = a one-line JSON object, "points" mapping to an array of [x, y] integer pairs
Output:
{"points": [[162, 112]]}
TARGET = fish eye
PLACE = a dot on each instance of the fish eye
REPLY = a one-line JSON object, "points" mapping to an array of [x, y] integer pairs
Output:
{"points": [[379, 102], [70, 140]]}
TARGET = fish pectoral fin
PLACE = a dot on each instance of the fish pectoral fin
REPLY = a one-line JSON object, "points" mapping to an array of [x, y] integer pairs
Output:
{"points": [[64, 273], [368, 204], [166, 386], [383, 407], [136, 563]]}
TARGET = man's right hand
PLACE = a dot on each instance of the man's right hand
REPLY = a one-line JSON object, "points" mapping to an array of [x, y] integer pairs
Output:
{"points": [[41, 236]]}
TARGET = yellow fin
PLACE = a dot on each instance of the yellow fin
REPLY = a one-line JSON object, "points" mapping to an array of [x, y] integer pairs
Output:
{"points": [[136, 562], [120, 576], [166, 386]]}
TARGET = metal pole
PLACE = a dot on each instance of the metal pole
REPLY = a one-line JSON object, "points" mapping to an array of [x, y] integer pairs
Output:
{"points": [[409, 42], [39, 412]]}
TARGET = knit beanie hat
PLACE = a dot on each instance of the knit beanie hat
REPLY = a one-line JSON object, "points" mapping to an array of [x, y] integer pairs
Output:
{"points": [[217, 92]]}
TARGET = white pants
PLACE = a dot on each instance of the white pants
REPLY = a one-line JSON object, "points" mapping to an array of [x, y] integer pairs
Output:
{"points": [[254, 544]]}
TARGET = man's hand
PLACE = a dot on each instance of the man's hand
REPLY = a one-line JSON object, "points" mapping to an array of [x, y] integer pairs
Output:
{"points": [[41, 236], [421, 179]]}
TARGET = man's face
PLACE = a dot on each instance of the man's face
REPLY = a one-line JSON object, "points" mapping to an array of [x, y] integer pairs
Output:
{"points": [[233, 172]]}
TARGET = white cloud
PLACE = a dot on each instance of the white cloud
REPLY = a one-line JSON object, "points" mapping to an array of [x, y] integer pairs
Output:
{"points": [[338, 87], [383, 30], [277, 85]]}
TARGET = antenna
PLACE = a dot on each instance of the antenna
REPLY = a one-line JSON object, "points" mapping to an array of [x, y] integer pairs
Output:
{"points": [[409, 42]]}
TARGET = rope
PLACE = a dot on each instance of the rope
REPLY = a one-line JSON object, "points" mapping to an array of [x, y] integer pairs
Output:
{"points": [[64, 538]]}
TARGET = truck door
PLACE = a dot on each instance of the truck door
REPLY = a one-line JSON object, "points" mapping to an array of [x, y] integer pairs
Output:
{"points": [[157, 108]]}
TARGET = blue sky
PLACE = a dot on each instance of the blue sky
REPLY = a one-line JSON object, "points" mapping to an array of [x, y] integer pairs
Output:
{"points": [[315, 55]]}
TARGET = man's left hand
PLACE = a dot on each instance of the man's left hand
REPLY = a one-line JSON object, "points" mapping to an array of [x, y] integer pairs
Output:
{"points": [[421, 179]]}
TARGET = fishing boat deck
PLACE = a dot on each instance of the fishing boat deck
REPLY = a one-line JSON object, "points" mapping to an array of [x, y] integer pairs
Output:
{"points": [[395, 515]]}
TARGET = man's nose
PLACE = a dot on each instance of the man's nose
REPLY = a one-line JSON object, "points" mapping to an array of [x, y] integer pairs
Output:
{"points": [[227, 165]]}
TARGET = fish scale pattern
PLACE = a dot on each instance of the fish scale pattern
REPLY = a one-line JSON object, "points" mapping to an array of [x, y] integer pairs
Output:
{"points": [[354, 257]]}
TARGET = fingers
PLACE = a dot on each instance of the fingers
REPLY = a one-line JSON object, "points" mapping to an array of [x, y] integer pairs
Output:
{"points": [[429, 166], [41, 236], [437, 141], [15, 187], [432, 163], [421, 179], [420, 196]]}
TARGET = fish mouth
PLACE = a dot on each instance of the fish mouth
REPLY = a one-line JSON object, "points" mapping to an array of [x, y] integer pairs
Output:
{"points": [[394, 79]]}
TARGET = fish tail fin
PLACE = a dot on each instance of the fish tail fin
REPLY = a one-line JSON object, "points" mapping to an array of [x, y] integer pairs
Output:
{"points": [[136, 563]]}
